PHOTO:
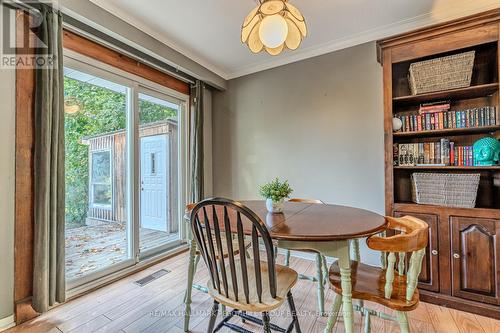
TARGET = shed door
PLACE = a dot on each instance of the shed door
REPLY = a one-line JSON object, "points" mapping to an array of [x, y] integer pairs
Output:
{"points": [[154, 182]]}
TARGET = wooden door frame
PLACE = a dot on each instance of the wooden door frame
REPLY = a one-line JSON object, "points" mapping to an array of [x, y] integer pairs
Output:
{"points": [[25, 143]]}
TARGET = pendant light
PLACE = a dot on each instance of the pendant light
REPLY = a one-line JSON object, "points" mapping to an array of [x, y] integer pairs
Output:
{"points": [[274, 25]]}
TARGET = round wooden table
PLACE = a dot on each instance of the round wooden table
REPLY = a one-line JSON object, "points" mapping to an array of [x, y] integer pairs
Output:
{"points": [[323, 228]]}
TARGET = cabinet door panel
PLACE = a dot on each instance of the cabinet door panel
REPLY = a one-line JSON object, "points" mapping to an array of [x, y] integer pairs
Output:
{"points": [[429, 275], [474, 258]]}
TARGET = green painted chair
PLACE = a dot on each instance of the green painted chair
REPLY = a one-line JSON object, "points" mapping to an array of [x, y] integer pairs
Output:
{"points": [[394, 285], [321, 265]]}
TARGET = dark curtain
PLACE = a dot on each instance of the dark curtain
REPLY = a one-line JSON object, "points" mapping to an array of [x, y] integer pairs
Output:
{"points": [[48, 269], [196, 139]]}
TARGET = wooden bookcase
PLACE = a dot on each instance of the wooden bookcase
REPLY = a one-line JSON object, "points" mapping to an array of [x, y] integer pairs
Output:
{"points": [[462, 264]]}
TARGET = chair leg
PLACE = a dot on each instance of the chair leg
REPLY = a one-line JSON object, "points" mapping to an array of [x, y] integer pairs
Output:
{"points": [[320, 286], [367, 321], [189, 288], [287, 258], [266, 322], [293, 310], [403, 322], [332, 320], [325, 270], [213, 317]]}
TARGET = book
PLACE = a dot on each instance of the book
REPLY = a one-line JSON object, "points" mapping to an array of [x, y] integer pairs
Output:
{"points": [[395, 154], [452, 153]]}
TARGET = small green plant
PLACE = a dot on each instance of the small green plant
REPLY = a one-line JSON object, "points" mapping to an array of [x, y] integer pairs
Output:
{"points": [[276, 190]]}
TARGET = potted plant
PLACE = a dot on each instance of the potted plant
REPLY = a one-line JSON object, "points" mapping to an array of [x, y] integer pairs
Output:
{"points": [[275, 192]]}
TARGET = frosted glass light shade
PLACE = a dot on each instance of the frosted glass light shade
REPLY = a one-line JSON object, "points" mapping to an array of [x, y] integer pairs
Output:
{"points": [[273, 31], [273, 26]]}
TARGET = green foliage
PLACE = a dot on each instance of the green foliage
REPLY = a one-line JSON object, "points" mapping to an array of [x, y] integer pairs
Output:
{"points": [[276, 190], [101, 111]]}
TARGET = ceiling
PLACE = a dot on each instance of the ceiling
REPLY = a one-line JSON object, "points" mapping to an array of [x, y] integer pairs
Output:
{"points": [[208, 31]]}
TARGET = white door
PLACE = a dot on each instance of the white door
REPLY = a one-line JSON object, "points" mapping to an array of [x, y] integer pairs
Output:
{"points": [[154, 182]]}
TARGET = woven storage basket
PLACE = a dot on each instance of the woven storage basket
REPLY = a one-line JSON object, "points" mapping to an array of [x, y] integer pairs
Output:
{"points": [[450, 72], [443, 189]]}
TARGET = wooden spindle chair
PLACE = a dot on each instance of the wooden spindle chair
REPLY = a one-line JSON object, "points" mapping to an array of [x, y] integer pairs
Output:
{"points": [[393, 286], [194, 259], [241, 283]]}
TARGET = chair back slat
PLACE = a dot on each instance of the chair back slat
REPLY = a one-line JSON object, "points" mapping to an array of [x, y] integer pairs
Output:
{"points": [[198, 232], [230, 252], [208, 232], [218, 242], [411, 237], [256, 262], [401, 263], [389, 274], [243, 258], [229, 218]]}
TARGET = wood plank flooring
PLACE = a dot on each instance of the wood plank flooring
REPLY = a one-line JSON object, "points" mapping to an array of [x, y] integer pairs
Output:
{"points": [[157, 307]]}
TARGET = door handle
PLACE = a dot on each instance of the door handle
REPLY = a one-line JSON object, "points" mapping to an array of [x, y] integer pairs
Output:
{"points": [[434, 252], [456, 255]]}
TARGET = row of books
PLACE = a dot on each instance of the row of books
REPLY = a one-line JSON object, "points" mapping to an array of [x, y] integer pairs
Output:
{"points": [[427, 121], [441, 153]]}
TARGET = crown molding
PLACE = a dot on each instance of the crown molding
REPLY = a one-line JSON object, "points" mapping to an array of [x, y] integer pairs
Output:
{"points": [[431, 18], [222, 72]]}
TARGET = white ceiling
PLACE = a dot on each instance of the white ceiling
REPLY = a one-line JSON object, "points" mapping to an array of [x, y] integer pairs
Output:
{"points": [[208, 31]]}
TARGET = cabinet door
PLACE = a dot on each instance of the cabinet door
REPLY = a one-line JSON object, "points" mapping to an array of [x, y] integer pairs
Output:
{"points": [[475, 258], [429, 275]]}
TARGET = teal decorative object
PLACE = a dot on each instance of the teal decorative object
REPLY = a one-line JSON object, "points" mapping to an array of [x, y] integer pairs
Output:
{"points": [[486, 151]]}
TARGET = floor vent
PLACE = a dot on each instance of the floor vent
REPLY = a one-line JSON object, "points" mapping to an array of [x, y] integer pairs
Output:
{"points": [[150, 278]]}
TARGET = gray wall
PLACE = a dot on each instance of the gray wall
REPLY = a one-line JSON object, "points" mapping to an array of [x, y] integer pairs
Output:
{"points": [[7, 155], [317, 123]]}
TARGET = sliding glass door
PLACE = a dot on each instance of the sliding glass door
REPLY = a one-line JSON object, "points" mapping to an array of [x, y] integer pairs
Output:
{"points": [[124, 170], [159, 161]]}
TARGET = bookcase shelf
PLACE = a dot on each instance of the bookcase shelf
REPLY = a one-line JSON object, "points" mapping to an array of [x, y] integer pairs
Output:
{"points": [[450, 167], [461, 93], [450, 131], [463, 232]]}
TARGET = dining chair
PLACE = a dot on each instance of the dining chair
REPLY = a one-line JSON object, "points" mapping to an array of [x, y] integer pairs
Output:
{"points": [[241, 283], [321, 265], [194, 258], [394, 287]]}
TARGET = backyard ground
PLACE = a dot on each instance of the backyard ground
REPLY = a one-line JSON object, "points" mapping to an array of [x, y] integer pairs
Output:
{"points": [[93, 247]]}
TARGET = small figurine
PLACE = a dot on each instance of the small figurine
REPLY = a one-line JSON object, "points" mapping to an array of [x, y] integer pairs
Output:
{"points": [[486, 151]]}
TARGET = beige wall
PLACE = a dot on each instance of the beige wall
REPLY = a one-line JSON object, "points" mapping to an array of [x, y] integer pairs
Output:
{"points": [[317, 123], [7, 154]]}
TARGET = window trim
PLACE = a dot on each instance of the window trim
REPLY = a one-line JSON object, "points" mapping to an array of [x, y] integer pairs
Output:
{"points": [[92, 204]]}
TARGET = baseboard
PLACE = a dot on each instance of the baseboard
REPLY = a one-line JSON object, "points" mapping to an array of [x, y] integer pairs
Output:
{"points": [[7, 323]]}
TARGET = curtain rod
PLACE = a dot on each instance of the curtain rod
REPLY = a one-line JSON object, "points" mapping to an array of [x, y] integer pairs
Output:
{"points": [[18, 4], [97, 36]]}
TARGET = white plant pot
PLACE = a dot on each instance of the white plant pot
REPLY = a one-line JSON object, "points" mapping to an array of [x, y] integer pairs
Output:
{"points": [[274, 206]]}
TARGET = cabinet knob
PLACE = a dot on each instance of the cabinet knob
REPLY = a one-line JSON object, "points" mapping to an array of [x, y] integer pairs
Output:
{"points": [[434, 252], [456, 255]]}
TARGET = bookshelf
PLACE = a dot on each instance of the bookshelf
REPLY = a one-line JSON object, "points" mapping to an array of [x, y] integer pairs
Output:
{"points": [[471, 283]]}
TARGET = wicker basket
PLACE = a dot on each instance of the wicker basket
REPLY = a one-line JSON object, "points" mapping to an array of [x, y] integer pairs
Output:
{"points": [[450, 72], [450, 190]]}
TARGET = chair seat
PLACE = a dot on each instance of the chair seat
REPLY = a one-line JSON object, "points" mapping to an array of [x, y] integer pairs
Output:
{"points": [[236, 249], [368, 283], [285, 278]]}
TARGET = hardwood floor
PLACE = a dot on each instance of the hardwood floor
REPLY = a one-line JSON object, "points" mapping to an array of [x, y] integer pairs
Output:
{"points": [[157, 307]]}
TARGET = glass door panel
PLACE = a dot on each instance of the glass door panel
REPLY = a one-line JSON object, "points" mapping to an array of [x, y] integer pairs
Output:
{"points": [[97, 231], [159, 168]]}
